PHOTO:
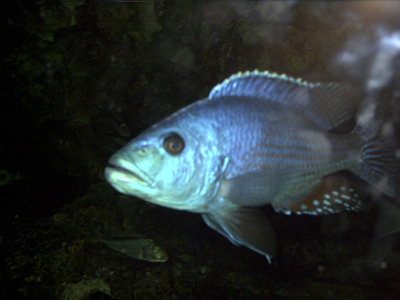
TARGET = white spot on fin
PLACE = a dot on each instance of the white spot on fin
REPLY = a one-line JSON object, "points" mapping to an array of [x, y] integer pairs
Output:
{"points": [[345, 197], [327, 203], [303, 207]]}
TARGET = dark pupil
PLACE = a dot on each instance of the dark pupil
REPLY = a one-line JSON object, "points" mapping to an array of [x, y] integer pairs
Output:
{"points": [[175, 145]]}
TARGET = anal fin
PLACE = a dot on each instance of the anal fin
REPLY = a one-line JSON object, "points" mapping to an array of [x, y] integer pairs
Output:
{"points": [[332, 194], [245, 226]]}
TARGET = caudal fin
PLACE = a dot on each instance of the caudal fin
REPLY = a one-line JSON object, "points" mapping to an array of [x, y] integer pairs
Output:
{"points": [[380, 165]]}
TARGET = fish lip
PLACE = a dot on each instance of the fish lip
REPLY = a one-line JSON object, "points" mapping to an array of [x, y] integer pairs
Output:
{"points": [[128, 174]]}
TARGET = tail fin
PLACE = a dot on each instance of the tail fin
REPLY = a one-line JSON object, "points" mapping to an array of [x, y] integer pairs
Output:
{"points": [[380, 166]]}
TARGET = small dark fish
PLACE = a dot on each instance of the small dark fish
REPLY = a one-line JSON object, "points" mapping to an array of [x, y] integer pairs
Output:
{"points": [[131, 245], [258, 139]]}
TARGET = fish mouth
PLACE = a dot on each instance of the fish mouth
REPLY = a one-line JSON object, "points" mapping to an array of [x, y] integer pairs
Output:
{"points": [[125, 171]]}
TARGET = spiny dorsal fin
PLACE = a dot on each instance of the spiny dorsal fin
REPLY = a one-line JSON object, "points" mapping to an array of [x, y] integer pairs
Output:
{"points": [[327, 105]]}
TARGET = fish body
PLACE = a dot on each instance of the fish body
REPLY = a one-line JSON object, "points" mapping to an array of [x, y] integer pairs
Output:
{"points": [[259, 138], [131, 245]]}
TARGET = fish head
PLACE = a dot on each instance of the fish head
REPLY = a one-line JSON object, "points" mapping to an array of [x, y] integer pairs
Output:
{"points": [[175, 163], [154, 253]]}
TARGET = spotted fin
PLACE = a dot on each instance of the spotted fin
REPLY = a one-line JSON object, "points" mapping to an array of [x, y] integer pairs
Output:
{"points": [[327, 105], [333, 194], [245, 226]]}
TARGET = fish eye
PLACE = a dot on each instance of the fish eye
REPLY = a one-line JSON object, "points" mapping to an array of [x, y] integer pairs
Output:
{"points": [[174, 144], [156, 249]]}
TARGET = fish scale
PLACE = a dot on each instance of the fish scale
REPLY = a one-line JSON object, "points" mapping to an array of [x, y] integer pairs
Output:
{"points": [[260, 139], [260, 149]]}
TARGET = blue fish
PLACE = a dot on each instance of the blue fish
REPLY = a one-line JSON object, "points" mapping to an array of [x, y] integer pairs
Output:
{"points": [[259, 138]]}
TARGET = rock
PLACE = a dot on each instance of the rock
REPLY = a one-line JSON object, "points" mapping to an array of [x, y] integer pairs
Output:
{"points": [[84, 289]]}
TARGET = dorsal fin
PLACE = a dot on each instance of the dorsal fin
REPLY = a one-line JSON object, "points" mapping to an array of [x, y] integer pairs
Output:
{"points": [[327, 105]]}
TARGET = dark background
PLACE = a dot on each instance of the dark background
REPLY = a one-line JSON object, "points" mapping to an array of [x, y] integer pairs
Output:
{"points": [[80, 79]]}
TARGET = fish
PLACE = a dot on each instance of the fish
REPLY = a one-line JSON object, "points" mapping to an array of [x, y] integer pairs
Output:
{"points": [[259, 139], [132, 245]]}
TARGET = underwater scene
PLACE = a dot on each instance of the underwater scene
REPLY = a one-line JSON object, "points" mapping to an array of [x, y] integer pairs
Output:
{"points": [[200, 150]]}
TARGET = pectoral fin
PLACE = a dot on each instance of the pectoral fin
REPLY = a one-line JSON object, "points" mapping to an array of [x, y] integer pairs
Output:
{"points": [[255, 189], [245, 226]]}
